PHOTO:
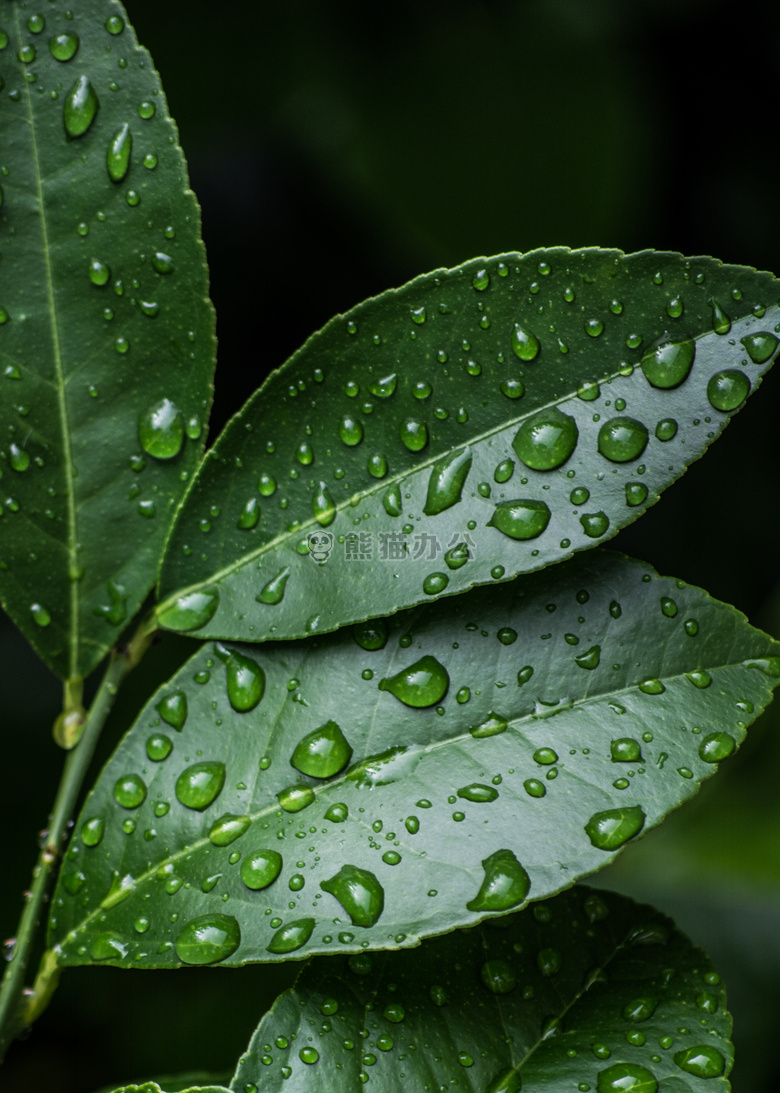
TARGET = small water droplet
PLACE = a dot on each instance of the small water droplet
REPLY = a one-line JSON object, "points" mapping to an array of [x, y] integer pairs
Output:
{"points": [[359, 893], [80, 107], [636, 493], [414, 435], [159, 747], [716, 747], [760, 346], [478, 793], [625, 750], [296, 798], [481, 280], [589, 660], [190, 611], [130, 791], [721, 323], [622, 439], [273, 592], [384, 387], [161, 429], [546, 440], [594, 524], [520, 519], [260, 868], [377, 465], [448, 477], [593, 327], [289, 938], [118, 154], [92, 831], [63, 47], [245, 680], [611, 829], [728, 389], [702, 1060], [626, 1078], [208, 939], [505, 884], [228, 828], [162, 263], [199, 785], [323, 506], [652, 687], [350, 431], [422, 684], [323, 752], [115, 24], [524, 343]]}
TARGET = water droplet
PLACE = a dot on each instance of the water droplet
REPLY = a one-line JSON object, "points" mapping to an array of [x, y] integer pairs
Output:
{"points": [[159, 747], [350, 431], [190, 611], [40, 615], [611, 829], [622, 439], [448, 477], [481, 280], [385, 387], [63, 47], [534, 788], [716, 747], [199, 786], [208, 939], [146, 110], [702, 1060], [161, 429], [626, 1078], [260, 868], [728, 389], [504, 471], [422, 684], [498, 976], [323, 752], [636, 493], [323, 506], [108, 946], [768, 665], [640, 1009], [478, 793], [273, 591], [392, 502], [118, 154], [625, 750], [435, 583], [245, 679], [359, 893], [377, 465], [457, 556], [506, 1081], [589, 660], [296, 798], [593, 327], [228, 828], [594, 524], [546, 440], [721, 323], [92, 830], [760, 347], [666, 429], [652, 687], [521, 519], [250, 514], [524, 343], [505, 884], [371, 635], [130, 791], [292, 936], [707, 1002], [161, 262], [674, 307], [414, 435], [548, 961], [80, 107], [308, 1055], [668, 364], [115, 24], [491, 726]]}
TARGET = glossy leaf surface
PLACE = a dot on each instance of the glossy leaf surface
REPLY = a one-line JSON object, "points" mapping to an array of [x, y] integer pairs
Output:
{"points": [[170, 1087], [106, 331], [585, 991], [474, 424], [409, 777]]}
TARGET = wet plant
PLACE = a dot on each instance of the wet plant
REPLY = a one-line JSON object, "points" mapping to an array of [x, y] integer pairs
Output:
{"points": [[421, 699]]}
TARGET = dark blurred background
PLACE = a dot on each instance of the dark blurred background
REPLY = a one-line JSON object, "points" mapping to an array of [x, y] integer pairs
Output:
{"points": [[341, 148]]}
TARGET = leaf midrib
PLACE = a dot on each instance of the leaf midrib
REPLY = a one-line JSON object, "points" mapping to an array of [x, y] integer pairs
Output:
{"points": [[198, 844], [59, 385]]}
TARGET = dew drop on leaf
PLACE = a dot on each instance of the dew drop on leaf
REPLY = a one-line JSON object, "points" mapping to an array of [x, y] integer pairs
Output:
{"points": [[612, 828], [273, 592], [359, 893], [260, 868], [520, 519], [292, 936], [199, 785], [190, 611], [446, 482], [666, 365], [208, 939], [80, 107], [323, 752], [546, 440], [422, 684], [505, 883]]}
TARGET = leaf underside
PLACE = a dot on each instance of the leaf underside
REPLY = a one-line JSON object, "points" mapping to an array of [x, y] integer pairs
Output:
{"points": [[105, 319], [598, 688], [477, 423], [572, 994]]}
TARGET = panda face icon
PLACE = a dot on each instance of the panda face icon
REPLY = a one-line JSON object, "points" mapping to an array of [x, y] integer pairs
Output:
{"points": [[320, 546]]}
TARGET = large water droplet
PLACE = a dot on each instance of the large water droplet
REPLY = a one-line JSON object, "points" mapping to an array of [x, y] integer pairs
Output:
{"points": [[520, 519], [625, 750], [273, 591], [524, 343], [546, 440], [626, 1078], [716, 747], [249, 515], [63, 47], [228, 828], [291, 936], [760, 347], [350, 431], [505, 884], [728, 389], [359, 893], [161, 429], [208, 939], [414, 435], [296, 798], [589, 660], [422, 684], [370, 635], [260, 868], [118, 154], [245, 682], [478, 793], [384, 387], [610, 829], [323, 506], [130, 791], [391, 500], [199, 786], [640, 1009], [702, 1060], [92, 830], [448, 477], [190, 611], [457, 556], [323, 752], [622, 439], [80, 107], [667, 365]]}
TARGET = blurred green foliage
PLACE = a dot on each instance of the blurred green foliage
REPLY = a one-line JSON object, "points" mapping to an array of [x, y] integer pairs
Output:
{"points": [[339, 148]]}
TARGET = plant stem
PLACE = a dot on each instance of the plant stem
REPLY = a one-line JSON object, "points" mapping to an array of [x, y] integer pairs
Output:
{"points": [[16, 1011]]}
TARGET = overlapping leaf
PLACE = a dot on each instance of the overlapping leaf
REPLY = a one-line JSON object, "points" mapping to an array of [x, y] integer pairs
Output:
{"points": [[374, 788], [106, 331], [474, 424], [588, 991]]}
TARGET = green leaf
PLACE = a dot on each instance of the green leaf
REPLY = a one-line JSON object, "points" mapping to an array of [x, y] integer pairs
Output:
{"points": [[172, 1086], [474, 424], [408, 778], [587, 992], [106, 332]]}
